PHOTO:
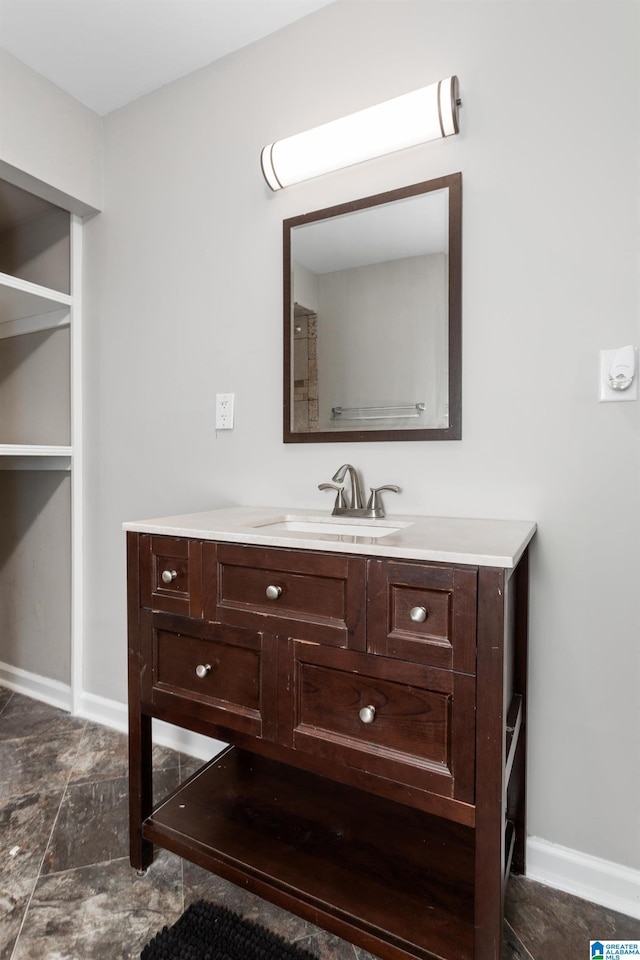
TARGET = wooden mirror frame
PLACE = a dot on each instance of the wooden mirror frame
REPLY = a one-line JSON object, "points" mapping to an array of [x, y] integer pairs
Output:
{"points": [[453, 183]]}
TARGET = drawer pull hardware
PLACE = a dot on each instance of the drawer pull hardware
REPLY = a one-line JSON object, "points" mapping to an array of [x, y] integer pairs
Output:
{"points": [[368, 714], [418, 614], [273, 592], [168, 576], [202, 670]]}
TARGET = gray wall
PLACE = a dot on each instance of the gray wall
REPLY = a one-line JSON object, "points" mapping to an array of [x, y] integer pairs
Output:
{"points": [[49, 143], [35, 520], [184, 300], [34, 388]]}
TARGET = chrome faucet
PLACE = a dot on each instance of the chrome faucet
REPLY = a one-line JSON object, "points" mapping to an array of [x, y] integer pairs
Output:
{"points": [[355, 506], [356, 500]]}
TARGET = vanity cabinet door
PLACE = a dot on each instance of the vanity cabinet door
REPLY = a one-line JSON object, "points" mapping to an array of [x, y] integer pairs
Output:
{"points": [[310, 596], [424, 613], [401, 721], [217, 674], [171, 575]]}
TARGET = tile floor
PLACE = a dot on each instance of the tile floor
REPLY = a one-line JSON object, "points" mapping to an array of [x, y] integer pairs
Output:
{"points": [[67, 891]]}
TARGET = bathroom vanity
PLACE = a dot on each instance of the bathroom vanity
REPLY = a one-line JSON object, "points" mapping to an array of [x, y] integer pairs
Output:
{"points": [[370, 680]]}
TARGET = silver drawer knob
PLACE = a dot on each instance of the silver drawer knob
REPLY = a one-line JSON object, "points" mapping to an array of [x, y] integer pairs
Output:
{"points": [[273, 592], [368, 714], [202, 670], [168, 576], [418, 614]]}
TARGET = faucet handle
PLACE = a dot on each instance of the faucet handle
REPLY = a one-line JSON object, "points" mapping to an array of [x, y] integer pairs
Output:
{"points": [[375, 502], [340, 503]]}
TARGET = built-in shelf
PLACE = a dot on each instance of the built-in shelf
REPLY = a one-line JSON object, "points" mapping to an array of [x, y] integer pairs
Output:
{"points": [[40, 437], [33, 450], [23, 456], [28, 307]]}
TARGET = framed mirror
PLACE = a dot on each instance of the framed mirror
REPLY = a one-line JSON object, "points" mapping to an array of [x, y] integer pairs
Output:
{"points": [[372, 317]]}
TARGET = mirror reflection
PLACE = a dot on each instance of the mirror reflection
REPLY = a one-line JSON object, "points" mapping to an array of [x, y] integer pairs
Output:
{"points": [[372, 318]]}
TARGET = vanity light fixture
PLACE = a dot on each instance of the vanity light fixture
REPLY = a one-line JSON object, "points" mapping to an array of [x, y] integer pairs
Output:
{"points": [[426, 114]]}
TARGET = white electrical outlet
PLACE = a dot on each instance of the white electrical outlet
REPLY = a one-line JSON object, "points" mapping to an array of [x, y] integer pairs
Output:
{"points": [[224, 411]]}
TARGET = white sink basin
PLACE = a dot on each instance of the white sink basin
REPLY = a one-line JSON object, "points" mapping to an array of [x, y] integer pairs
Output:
{"points": [[333, 526]]}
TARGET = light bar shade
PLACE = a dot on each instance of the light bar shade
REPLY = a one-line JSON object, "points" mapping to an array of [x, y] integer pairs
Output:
{"points": [[426, 114]]}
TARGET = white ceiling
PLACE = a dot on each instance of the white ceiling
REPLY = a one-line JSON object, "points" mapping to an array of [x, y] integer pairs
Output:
{"points": [[107, 53]]}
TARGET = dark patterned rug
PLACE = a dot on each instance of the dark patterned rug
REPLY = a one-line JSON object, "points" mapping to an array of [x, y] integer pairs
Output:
{"points": [[208, 932]]}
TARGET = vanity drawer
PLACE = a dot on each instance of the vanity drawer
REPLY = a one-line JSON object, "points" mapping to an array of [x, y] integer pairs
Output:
{"points": [[400, 721], [423, 613], [310, 596], [223, 675], [171, 575]]}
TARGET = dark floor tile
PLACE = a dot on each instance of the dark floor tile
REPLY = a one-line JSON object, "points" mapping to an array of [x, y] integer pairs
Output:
{"points": [[5, 696], [24, 717], [91, 826], [32, 764], [104, 755], [14, 898], [554, 925], [25, 827], [512, 948], [102, 912], [189, 766], [93, 822]]}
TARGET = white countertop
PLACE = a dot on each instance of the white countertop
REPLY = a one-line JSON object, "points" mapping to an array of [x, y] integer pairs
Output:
{"points": [[490, 543]]}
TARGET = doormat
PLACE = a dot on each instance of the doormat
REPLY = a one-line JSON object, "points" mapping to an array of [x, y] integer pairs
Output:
{"points": [[208, 932]]}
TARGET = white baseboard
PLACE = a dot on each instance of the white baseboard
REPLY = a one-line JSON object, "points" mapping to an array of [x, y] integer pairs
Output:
{"points": [[113, 714], [40, 688], [600, 881], [110, 713]]}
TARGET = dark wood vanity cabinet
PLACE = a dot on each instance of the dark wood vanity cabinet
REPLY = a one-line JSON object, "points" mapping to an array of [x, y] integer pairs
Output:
{"points": [[374, 711]]}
